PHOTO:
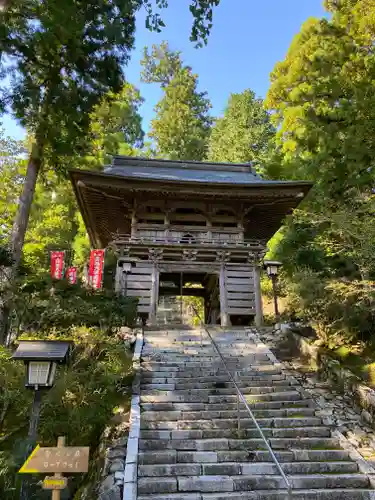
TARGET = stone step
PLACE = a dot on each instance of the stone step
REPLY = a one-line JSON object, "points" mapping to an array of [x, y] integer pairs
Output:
{"points": [[217, 483], [186, 361], [173, 456], [243, 433], [321, 494], [245, 468], [238, 444], [190, 447], [152, 411], [151, 389], [202, 371], [246, 423], [212, 384], [196, 354], [197, 375], [172, 378], [246, 360], [243, 364], [205, 397]]}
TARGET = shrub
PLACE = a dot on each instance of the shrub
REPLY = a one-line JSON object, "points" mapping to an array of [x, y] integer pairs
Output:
{"points": [[45, 306], [79, 406], [341, 307]]}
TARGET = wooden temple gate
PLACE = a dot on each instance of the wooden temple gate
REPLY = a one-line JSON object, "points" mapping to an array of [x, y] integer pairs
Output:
{"points": [[170, 222]]}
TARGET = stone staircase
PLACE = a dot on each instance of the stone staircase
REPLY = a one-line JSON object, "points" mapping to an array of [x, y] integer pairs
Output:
{"points": [[190, 447]]}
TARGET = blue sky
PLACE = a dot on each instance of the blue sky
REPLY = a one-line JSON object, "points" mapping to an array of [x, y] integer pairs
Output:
{"points": [[248, 38]]}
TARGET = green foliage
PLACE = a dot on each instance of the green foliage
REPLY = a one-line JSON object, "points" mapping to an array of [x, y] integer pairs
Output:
{"points": [[343, 309], [12, 173], [55, 223], [201, 10], [182, 124], [80, 245], [244, 134], [87, 391], [58, 307], [79, 406], [322, 99], [323, 96], [63, 60], [160, 64], [116, 127], [5, 257], [52, 222], [193, 308]]}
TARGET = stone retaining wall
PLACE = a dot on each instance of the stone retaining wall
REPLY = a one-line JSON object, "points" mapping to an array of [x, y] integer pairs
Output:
{"points": [[331, 369], [113, 485]]}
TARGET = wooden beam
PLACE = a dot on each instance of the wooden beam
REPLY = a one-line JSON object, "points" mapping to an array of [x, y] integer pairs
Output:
{"points": [[239, 274], [187, 291], [154, 293], [240, 295], [223, 297], [240, 281], [243, 311], [258, 297]]}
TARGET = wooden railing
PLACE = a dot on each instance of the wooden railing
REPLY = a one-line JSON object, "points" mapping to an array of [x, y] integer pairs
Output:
{"points": [[185, 239]]}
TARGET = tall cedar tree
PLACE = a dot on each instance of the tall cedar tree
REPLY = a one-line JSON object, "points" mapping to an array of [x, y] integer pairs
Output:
{"points": [[244, 134], [182, 125], [54, 220], [322, 97], [63, 57]]}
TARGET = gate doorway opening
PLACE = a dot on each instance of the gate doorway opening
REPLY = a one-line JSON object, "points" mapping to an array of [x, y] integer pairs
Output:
{"points": [[178, 291]]}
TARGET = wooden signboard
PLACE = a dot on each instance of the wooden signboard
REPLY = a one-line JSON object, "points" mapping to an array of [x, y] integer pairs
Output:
{"points": [[69, 459], [59, 459]]}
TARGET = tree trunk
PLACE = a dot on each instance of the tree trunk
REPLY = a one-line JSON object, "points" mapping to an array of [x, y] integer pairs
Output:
{"points": [[4, 321], [23, 212], [19, 229]]}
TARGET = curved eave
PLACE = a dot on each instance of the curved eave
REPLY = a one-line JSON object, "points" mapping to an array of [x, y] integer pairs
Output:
{"points": [[101, 201], [77, 175]]}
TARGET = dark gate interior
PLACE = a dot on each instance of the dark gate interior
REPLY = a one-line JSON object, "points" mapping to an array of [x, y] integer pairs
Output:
{"points": [[177, 290]]}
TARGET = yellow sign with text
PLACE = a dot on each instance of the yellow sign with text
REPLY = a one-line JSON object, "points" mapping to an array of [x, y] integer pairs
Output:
{"points": [[68, 459], [55, 483]]}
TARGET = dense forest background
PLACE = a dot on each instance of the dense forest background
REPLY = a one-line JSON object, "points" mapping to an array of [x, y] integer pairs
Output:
{"points": [[316, 123]]}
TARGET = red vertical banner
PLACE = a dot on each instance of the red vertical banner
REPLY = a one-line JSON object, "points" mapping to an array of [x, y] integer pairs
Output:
{"points": [[57, 264], [71, 275], [96, 268]]}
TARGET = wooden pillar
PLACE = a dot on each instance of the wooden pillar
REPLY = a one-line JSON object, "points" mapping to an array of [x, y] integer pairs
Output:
{"points": [[134, 224], [118, 278], [166, 223], [209, 228], [56, 494], [258, 296], [154, 293], [241, 230], [223, 297]]}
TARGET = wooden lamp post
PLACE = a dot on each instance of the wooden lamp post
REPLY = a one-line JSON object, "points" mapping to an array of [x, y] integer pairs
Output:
{"points": [[40, 358], [272, 268]]}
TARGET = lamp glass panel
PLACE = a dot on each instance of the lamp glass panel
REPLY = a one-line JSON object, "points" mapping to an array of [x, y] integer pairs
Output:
{"points": [[52, 374], [38, 372]]}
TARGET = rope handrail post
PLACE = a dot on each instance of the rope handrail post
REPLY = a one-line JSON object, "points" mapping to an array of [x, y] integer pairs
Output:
{"points": [[242, 399]]}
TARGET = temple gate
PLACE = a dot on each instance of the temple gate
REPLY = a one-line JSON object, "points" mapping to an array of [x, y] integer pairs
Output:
{"points": [[183, 228]]}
